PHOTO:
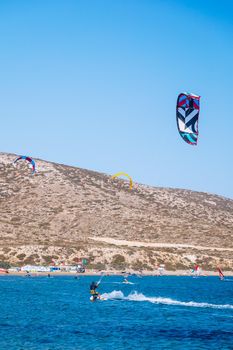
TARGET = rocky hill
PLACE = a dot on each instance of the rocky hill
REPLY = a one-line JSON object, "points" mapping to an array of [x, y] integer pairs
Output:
{"points": [[64, 213]]}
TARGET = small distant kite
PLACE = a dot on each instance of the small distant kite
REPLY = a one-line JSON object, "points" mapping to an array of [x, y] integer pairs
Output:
{"points": [[126, 175], [30, 161], [187, 115]]}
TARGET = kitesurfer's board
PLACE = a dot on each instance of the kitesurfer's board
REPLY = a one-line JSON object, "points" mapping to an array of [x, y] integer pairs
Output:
{"points": [[97, 299]]}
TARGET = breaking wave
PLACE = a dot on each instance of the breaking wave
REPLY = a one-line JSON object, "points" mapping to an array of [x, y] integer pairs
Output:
{"points": [[118, 295]]}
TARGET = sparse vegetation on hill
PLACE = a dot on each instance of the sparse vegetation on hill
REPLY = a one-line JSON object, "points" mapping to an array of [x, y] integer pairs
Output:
{"points": [[55, 214]]}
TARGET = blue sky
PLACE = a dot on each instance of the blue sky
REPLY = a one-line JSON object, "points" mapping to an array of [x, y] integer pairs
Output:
{"points": [[94, 84]]}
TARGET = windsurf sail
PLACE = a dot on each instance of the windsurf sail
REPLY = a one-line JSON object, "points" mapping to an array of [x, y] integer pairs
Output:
{"points": [[196, 271], [187, 115], [220, 273]]}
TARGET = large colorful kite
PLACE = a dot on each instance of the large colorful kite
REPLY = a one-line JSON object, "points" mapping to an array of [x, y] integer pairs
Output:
{"points": [[187, 115]]}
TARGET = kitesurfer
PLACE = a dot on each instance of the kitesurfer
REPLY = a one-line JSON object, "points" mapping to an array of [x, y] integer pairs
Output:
{"points": [[94, 293]]}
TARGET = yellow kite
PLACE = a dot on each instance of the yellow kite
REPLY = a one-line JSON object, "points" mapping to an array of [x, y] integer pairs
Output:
{"points": [[124, 174]]}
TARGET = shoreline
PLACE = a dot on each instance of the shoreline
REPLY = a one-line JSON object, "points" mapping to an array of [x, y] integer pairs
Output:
{"points": [[116, 273]]}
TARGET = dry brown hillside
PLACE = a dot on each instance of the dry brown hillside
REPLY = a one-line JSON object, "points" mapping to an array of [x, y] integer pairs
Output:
{"points": [[65, 213]]}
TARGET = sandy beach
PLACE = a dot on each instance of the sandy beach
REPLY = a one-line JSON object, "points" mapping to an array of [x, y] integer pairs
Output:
{"points": [[117, 273]]}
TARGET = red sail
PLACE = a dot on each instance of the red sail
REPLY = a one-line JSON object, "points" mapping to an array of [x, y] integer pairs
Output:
{"points": [[220, 273]]}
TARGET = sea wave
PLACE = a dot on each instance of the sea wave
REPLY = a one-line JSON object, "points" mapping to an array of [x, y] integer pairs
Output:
{"points": [[119, 295]]}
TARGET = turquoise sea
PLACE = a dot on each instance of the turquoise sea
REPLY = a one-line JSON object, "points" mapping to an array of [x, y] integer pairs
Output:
{"points": [[42, 313]]}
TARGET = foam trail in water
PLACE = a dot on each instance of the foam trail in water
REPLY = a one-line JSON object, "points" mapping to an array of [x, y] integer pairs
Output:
{"points": [[118, 295]]}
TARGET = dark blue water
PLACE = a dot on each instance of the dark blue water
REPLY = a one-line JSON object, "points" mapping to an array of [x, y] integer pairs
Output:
{"points": [[154, 313]]}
